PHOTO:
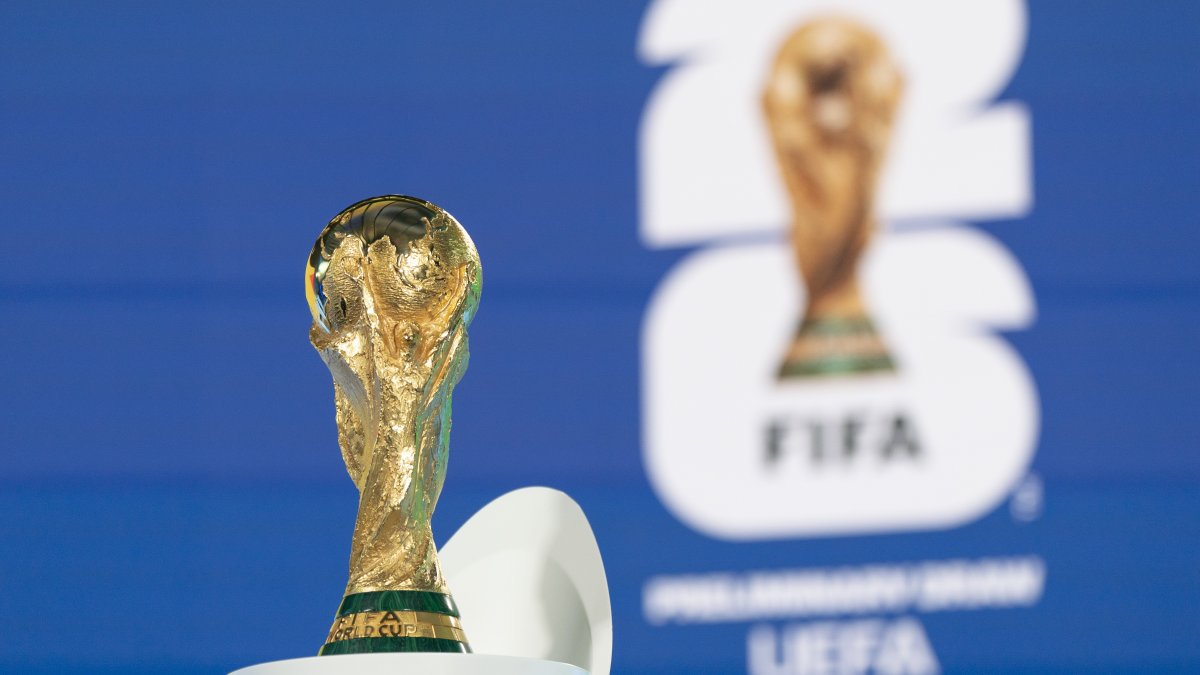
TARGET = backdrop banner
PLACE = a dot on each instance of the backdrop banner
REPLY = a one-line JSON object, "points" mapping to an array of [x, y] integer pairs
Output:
{"points": [[863, 332]]}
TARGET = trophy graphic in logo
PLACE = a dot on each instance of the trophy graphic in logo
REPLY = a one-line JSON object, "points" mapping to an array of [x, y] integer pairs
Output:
{"points": [[392, 283], [829, 102]]}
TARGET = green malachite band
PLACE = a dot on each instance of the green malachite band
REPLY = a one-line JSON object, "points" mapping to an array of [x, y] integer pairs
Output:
{"points": [[398, 601], [837, 326], [833, 366], [393, 644]]}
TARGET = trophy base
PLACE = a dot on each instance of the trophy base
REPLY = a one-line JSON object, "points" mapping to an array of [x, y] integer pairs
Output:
{"points": [[835, 346], [425, 664], [396, 621]]}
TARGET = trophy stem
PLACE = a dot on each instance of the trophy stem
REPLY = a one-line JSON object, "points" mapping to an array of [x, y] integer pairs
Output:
{"points": [[396, 621]]}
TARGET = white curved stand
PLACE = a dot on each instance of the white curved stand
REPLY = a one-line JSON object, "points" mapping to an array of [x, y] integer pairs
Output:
{"points": [[417, 664], [527, 576]]}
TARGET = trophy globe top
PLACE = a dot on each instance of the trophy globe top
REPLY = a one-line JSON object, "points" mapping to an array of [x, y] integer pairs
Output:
{"points": [[837, 76], [398, 257]]}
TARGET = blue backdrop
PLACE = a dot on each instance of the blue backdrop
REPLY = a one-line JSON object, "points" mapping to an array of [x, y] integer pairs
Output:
{"points": [[172, 494]]}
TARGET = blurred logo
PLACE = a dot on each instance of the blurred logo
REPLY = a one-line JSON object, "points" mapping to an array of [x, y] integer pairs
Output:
{"points": [[826, 361]]}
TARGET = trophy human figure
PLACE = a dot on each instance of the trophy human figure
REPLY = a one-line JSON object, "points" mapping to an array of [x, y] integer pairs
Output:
{"points": [[829, 102], [392, 283]]}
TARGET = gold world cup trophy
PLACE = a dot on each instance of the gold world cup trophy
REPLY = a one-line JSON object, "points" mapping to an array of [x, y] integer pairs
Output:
{"points": [[392, 283], [829, 102]]}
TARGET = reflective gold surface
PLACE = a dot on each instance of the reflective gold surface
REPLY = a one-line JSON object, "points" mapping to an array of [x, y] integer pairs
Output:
{"points": [[829, 101], [392, 283]]}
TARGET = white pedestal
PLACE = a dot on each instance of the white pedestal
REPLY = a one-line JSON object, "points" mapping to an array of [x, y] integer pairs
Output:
{"points": [[417, 664]]}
